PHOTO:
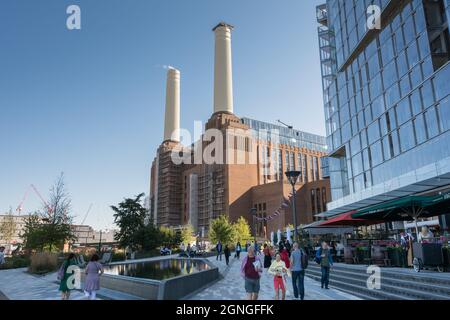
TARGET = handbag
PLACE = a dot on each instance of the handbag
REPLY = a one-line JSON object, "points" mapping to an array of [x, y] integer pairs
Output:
{"points": [[61, 272]]}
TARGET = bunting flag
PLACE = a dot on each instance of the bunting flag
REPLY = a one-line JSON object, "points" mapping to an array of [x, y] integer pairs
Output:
{"points": [[285, 204]]}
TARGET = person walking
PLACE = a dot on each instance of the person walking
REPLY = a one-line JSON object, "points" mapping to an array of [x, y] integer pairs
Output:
{"points": [[182, 250], [64, 276], [324, 258], [288, 247], [2, 255], [251, 271], [278, 270], [238, 250], [299, 263], [285, 257], [267, 257], [227, 254], [94, 270], [219, 249]]}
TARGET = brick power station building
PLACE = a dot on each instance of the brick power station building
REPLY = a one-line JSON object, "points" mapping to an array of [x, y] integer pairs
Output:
{"points": [[249, 159]]}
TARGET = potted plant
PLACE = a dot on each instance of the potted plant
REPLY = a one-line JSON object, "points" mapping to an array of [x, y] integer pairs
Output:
{"points": [[362, 253], [395, 255], [446, 254]]}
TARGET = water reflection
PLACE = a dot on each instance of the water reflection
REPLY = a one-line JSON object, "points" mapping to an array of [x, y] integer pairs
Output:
{"points": [[158, 270]]}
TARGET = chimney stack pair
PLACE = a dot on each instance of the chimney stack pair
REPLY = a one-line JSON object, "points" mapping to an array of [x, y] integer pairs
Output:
{"points": [[223, 84]]}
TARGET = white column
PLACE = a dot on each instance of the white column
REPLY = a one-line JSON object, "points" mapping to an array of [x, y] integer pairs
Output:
{"points": [[223, 73], [172, 118]]}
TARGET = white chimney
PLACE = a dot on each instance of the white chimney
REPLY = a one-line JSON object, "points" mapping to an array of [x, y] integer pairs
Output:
{"points": [[223, 73], [172, 120]]}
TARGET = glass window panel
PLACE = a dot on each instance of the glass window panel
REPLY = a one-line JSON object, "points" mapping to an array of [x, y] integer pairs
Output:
{"points": [[413, 54], [378, 106], [383, 124], [359, 183], [357, 164], [441, 83], [376, 153], [373, 132], [390, 74], [419, 126], [363, 136], [368, 114], [444, 113], [427, 94], [416, 102], [402, 65], [407, 140], [395, 143], [374, 65], [424, 45], [355, 145], [405, 86], [427, 67], [432, 122], [387, 51], [392, 95], [403, 111], [416, 76], [361, 123], [346, 132], [408, 30], [387, 148], [399, 43], [376, 86]]}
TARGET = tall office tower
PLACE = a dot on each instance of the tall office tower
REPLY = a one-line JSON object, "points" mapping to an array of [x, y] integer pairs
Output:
{"points": [[386, 97]]}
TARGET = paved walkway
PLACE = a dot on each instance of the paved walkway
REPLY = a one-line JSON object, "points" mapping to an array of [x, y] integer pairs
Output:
{"points": [[17, 284], [231, 287]]}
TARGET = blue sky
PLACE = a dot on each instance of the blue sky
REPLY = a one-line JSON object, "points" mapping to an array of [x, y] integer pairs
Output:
{"points": [[90, 102]]}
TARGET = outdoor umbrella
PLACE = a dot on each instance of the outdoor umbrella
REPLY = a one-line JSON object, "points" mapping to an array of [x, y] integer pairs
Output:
{"points": [[346, 219], [407, 208]]}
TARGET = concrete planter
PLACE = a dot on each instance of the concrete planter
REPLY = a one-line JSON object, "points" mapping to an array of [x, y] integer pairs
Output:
{"points": [[168, 289]]}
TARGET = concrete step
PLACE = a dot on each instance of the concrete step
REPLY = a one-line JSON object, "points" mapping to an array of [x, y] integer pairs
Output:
{"points": [[397, 273], [358, 290], [392, 288], [388, 279]]}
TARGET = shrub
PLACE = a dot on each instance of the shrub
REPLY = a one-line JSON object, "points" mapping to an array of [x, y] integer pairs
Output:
{"points": [[118, 256], [15, 262], [43, 262]]}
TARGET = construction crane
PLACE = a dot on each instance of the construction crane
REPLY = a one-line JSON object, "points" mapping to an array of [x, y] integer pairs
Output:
{"points": [[286, 125], [32, 187], [86, 215]]}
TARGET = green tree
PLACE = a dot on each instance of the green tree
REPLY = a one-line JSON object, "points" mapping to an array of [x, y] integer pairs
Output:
{"points": [[8, 227], [187, 234], [50, 228], [221, 230], [149, 237], [169, 236], [32, 233], [130, 216], [241, 230]]}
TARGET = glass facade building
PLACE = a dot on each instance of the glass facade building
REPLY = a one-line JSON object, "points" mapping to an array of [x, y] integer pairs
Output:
{"points": [[386, 98]]}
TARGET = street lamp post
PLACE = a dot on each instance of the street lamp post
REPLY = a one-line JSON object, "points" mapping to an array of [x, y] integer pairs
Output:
{"points": [[253, 213], [293, 177]]}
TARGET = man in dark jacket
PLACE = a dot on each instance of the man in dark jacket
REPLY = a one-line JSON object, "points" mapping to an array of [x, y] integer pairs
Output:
{"points": [[219, 250], [325, 259]]}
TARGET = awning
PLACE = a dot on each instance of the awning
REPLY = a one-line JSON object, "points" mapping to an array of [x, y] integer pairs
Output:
{"points": [[407, 208], [315, 228], [346, 219]]}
